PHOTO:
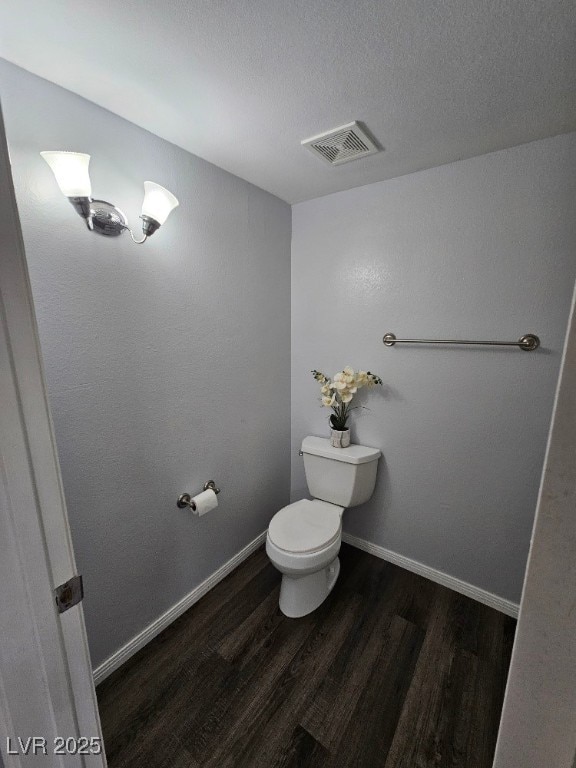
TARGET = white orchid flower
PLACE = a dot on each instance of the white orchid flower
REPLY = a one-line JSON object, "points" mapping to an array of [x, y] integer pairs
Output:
{"points": [[336, 393]]}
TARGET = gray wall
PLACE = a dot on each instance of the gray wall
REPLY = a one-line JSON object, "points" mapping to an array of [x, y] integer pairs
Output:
{"points": [[167, 363], [482, 248]]}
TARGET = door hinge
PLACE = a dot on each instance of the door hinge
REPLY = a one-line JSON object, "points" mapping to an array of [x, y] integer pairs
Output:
{"points": [[69, 594]]}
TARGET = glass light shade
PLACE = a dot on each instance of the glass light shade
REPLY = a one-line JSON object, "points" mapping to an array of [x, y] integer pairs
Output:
{"points": [[71, 172], [158, 202]]}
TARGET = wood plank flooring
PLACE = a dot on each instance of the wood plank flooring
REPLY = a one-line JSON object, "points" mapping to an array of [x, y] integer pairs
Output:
{"points": [[391, 671]]}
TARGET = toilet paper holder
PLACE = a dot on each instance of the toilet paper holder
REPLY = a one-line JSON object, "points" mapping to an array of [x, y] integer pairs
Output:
{"points": [[185, 500]]}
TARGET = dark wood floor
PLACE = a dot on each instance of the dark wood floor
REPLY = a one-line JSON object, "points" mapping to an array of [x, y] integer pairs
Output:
{"points": [[391, 671]]}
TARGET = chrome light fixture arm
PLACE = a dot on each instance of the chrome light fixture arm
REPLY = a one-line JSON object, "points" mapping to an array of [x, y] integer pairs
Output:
{"points": [[138, 242], [105, 219], [149, 226]]}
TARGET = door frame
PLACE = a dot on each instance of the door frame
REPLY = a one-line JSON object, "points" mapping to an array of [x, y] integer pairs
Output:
{"points": [[46, 682], [537, 722]]}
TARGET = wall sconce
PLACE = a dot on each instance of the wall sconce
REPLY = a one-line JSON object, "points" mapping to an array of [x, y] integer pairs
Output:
{"points": [[71, 172]]}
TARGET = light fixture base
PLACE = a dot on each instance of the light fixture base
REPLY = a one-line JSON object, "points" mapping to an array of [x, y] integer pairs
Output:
{"points": [[107, 219], [149, 225]]}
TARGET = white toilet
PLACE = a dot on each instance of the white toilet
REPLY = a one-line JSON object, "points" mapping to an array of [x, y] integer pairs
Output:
{"points": [[304, 538]]}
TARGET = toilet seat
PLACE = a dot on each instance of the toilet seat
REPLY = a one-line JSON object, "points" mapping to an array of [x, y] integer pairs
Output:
{"points": [[306, 526]]}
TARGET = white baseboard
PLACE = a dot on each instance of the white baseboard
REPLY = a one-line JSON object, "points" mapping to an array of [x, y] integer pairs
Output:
{"points": [[141, 639], [488, 598]]}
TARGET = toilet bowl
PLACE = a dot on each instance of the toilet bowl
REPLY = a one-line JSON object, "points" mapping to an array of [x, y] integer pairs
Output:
{"points": [[304, 538], [303, 542]]}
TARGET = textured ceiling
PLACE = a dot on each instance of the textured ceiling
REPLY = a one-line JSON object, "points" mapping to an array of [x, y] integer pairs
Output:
{"points": [[242, 83]]}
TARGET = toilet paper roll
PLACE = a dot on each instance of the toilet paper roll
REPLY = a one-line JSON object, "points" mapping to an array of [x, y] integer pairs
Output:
{"points": [[205, 501]]}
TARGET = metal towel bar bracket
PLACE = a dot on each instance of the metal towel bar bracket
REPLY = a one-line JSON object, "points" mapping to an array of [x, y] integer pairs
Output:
{"points": [[528, 343]]}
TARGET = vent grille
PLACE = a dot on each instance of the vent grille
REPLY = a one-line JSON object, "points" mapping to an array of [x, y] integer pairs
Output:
{"points": [[348, 142]]}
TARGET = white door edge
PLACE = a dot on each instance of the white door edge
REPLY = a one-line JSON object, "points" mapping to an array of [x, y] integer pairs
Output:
{"points": [[46, 685], [539, 709]]}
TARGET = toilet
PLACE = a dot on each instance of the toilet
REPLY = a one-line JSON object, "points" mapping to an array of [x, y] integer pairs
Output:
{"points": [[304, 538]]}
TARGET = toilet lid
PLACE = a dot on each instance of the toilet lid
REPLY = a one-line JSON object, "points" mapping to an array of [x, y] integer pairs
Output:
{"points": [[305, 526]]}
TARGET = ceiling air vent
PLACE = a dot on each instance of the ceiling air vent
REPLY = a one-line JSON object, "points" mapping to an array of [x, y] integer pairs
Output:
{"points": [[349, 142]]}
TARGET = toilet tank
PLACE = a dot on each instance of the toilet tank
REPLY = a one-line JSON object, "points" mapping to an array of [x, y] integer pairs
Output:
{"points": [[342, 476]]}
